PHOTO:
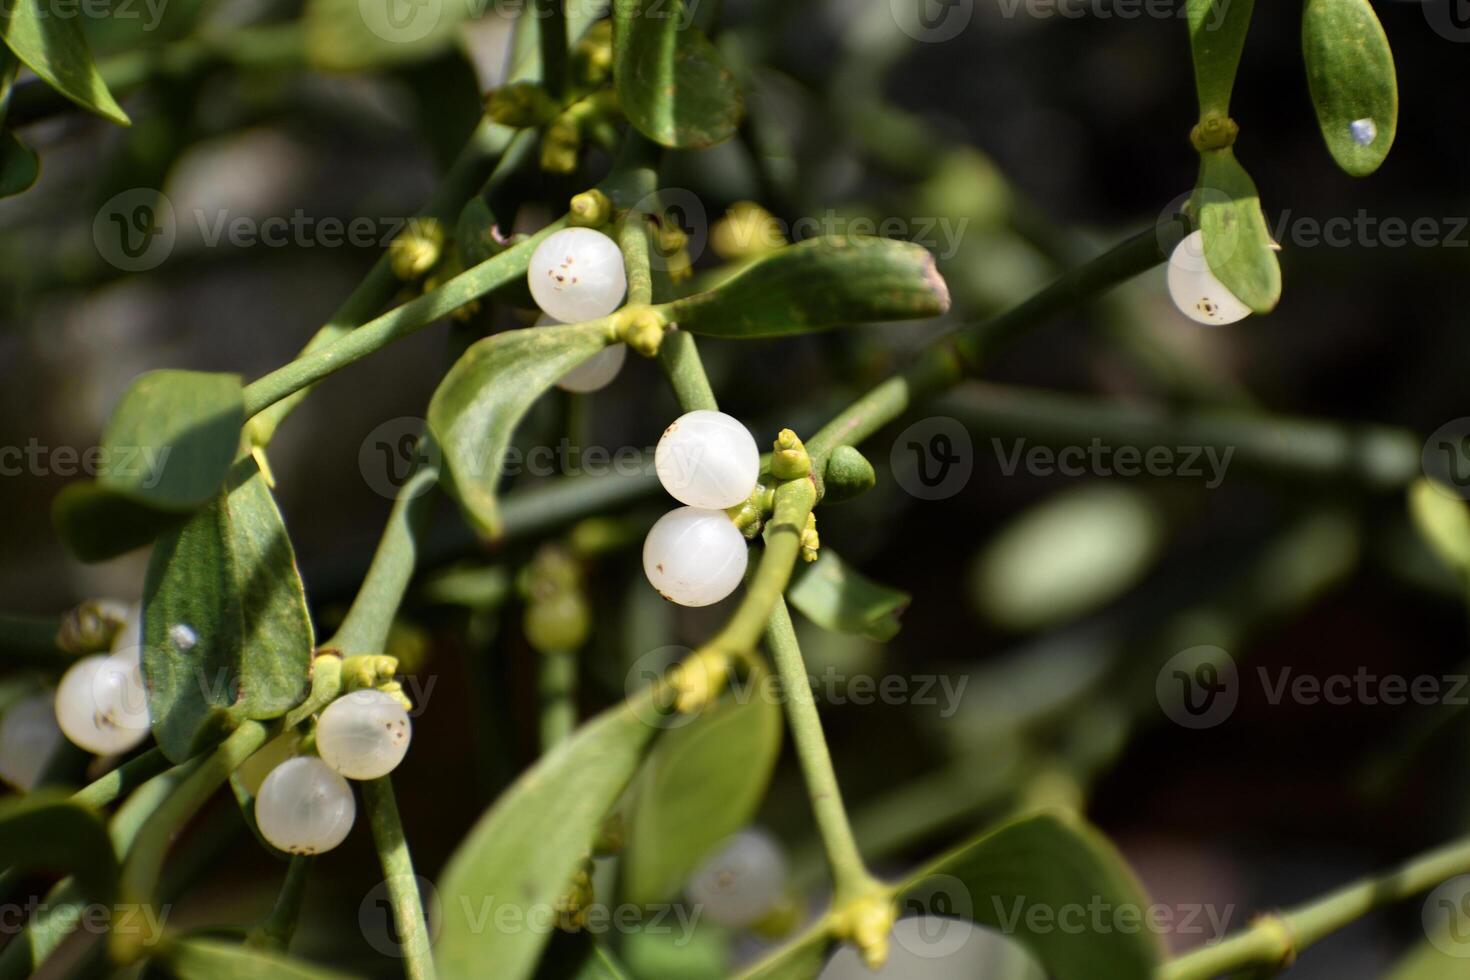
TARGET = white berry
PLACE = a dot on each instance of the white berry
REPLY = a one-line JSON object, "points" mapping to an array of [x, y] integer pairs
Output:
{"points": [[595, 373], [363, 735], [707, 459], [742, 882], [28, 736], [577, 274], [303, 807], [694, 557], [1195, 289], [101, 703]]}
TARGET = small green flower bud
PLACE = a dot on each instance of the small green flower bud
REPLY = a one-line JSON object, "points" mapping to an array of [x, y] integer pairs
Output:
{"points": [[866, 923], [746, 231], [1214, 132], [811, 542], [592, 59], [559, 624], [417, 248], [791, 461], [848, 475], [520, 104], [571, 908], [642, 330], [751, 515], [92, 626], [560, 146], [590, 209]]}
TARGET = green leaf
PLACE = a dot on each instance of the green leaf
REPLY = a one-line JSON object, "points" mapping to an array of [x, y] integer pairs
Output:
{"points": [[673, 84], [226, 635], [1238, 244], [818, 284], [358, 35], [1442, 519], [1068, 556], [702, 783], [170, 442], [800, 959], [44, 831], [96, 524], [837, 597], [677, 954], [1039, 880], [481, 400], [19, 166], [211, 959], [521, 855], [1442, 958], [1217, 30], [1351, 76], [52, 46]]}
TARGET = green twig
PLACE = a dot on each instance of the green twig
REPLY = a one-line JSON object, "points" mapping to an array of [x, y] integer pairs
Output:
{"points": [[399, 877], [1275, 940], [122, 780], [557, 689], [551, 28], [278, 928]]}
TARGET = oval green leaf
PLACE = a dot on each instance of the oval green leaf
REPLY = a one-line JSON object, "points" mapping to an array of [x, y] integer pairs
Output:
{"points": [[818, 284], [1238, 244], [477, 406], [19, 166], [96, 524], [172, 438], [52, 45], [1442, 519], [1351, 77], [226, 634], [44, 831], [702, 783], [837, 597], [212, 959], [673, 84], [1021, 879], [521, 855], [1217, 30]]}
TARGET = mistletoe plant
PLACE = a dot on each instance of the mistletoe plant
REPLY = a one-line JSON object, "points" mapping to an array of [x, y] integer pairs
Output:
{"points": [[219, 677]]}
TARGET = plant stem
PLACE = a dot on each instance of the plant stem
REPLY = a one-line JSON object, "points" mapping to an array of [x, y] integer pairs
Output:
{"points": [[793, 503], [557, 688], [551, 27], [368, 621], [395, 324], [122, 780], [678, 355], [850, 876], [140, 872], [278, 928], [398, 875], [1275, 940]]}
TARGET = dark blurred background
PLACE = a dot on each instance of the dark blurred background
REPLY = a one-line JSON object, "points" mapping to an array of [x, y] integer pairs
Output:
{"points": [[1049, 137]]}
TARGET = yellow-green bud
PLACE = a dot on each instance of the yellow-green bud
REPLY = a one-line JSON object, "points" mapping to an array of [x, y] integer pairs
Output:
{"points": [[417, 248], [642, 330], [91, 627], [560, 146], [791, 461], [520, 104], [745, 232], [866, 923], [811, 543], [590, 209], [848, 475], [592, 59], [559, 624]]}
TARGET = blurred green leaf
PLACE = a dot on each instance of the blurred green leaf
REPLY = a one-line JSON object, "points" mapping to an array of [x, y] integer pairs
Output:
{"points": [[474, 412], [226, 634], [1442, 519], [1238, 244], [1217, 30], [359, 35], [1351, 76], [1068, 556], [1023, 878], [96, 524], [212, 959], [521, 855], [19, 166], [172, 438], [52, 45], [701, 784], [837, 597], [674, 955], [673, 84], [820, 283], [1432, 960], [44, 831]]}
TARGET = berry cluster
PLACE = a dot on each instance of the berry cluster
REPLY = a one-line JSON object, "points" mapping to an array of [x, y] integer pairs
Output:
{"points": [[305, 805], [695, 555], [576, 275]]}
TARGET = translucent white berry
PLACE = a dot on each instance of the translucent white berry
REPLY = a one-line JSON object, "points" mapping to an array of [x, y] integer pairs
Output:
{"points": [[577, 274], [1194, 288], [694, 557], [303, 807], [101, 703], [28, 736], [744, 880], [595, 373], [363, 735], [707, 459]]}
